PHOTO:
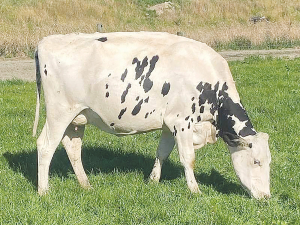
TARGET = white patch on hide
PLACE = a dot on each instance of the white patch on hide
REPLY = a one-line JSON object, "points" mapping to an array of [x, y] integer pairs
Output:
{"points": [[238, 125]]}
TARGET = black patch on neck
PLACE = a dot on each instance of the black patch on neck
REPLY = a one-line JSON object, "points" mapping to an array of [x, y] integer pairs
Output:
{"points": [[227, 109], [102, 39]]}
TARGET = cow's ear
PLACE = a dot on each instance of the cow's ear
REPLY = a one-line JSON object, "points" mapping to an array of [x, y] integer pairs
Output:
{"points": [[231, 139]]}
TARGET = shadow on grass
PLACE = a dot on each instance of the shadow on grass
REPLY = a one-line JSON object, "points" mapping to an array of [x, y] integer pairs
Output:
{"points": [[219, 183], [107, 161]]}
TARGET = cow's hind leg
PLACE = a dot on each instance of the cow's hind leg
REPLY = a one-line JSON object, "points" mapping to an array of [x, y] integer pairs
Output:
{"points": [[72, 142], [46, 146], [166, 145]]}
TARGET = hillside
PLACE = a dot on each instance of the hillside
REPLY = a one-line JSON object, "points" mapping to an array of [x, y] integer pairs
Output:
{"points": [[223, 24]]}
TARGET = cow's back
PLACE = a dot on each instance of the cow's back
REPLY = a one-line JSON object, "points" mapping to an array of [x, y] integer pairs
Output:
{"points": [[131, 80]]}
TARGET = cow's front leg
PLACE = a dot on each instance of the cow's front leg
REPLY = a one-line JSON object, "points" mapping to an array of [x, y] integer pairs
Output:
{"points": [[184, 140], [166, 145], [72, 142]]}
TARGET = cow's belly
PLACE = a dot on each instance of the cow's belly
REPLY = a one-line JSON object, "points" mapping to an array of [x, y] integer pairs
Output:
{"points": [[124, 127]]}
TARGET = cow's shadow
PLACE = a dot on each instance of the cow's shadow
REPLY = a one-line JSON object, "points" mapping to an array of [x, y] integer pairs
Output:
{"points": [[106, 161]]}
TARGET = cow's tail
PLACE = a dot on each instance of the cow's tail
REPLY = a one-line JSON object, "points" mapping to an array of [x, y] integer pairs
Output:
{"points": [[38, 93]]}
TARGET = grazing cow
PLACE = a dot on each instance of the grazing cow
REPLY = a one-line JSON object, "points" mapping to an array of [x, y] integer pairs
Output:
{"points": [[127, 83]]}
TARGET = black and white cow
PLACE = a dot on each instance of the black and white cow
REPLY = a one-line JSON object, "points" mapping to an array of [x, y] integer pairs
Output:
{"points": [[127, 83]]}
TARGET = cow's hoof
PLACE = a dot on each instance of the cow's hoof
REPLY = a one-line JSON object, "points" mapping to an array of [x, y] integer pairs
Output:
{"points": [[42, 191], [87, 187], [195, 189], [154, 178]]}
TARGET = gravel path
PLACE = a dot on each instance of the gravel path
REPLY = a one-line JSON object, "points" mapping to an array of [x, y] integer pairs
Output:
{"points": [[25, 68]]}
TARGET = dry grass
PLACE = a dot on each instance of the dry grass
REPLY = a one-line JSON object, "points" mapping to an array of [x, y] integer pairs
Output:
{"points": [[23, 23]]}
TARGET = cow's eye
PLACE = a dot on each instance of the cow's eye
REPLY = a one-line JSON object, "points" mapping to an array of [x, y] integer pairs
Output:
{"points": [[257, 162]]}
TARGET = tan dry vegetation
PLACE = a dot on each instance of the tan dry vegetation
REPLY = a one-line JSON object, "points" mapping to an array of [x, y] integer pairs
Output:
{"points": [[23, 23]]}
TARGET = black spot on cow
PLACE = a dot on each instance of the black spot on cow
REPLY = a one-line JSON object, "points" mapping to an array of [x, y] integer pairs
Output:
{"points": [[140, 67], [217, 86], [45, 71], [182, 129], [202, 109], [102, 39], [153, 62], [189, 125], [177, 115], [146, 100], [122, 113], [109, 75], [175, 131], [124, 75], [146, 115], [224, 88], [198, 118], [165, 89], [106, 86], [137, 108], [186, 118], [112, 124], [192, 120], [193, 108], [123, 96], [107, 94], [203, 86], [141, 81], [148, 83], [137, 98], [193, 98], [207, 94]]}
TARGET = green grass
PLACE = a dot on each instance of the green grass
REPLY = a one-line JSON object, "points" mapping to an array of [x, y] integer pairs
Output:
{"points": [[118, 168]]}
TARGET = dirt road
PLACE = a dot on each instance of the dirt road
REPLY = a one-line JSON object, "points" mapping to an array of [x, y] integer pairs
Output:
{"points": [[24, 69]]}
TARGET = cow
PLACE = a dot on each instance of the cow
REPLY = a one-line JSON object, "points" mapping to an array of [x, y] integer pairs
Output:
{"points": [[132, 82]]}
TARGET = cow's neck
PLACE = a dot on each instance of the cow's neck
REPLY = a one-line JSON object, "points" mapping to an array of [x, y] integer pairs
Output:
{"points": [[232, 117]]}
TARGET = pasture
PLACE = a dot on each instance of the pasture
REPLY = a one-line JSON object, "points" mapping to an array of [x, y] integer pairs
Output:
{"points": [[118, 168], [222, 24]]}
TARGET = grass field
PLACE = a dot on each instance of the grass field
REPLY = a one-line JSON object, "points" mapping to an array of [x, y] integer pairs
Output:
{"points": [[118, 168], [223, 24]]}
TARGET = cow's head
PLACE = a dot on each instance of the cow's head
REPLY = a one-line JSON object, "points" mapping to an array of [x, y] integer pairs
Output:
{"points": [[251, 160]]}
